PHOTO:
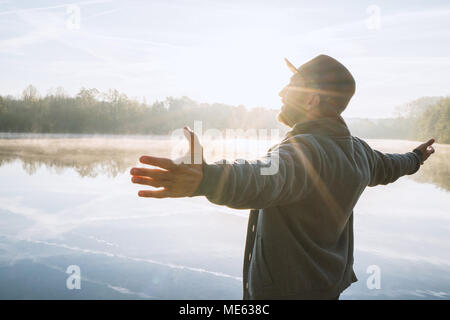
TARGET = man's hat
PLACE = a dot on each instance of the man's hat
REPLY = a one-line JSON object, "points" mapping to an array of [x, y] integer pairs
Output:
{"points": [[326, 76]]}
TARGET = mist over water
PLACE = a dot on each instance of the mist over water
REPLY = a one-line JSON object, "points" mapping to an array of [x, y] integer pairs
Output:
{"points": [[69, 201]]}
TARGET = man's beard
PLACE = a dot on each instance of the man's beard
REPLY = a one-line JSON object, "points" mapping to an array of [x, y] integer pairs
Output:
{"points": [[283, 119], [290, 115]]}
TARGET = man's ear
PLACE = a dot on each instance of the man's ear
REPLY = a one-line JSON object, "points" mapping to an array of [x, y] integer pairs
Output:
{"points": [[313, 102]]}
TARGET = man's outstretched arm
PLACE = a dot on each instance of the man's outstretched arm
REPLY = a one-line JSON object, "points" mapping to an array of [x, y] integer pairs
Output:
{"points": [[244, 184], [388, 167], [241, 184]]}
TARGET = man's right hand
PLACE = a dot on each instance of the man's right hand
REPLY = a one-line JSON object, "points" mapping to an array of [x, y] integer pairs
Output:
{"points": [[426, 149]]}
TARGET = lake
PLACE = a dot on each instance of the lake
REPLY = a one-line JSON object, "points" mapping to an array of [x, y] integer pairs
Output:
{"points": [[67, 200]]}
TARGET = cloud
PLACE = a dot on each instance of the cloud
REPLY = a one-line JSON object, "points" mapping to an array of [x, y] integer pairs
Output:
{"points": [[48, 8]]}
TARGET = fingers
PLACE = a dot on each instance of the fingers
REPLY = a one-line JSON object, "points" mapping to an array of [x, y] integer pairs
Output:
{"points": [[154, 193], [427, 149], [429, 142], [158, 162], [150, 182], [195, 154], [189, 135], [152, 173], [428, 146], [188, 132]]}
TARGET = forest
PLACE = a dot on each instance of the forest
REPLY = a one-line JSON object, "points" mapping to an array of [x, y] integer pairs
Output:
{"points": [[93, 112]]}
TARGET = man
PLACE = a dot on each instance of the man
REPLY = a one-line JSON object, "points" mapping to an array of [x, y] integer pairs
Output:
{"points": [[300, 232]]}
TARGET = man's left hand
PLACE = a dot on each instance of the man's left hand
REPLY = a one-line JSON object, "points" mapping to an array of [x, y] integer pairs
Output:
{"points": [[175, 179]]}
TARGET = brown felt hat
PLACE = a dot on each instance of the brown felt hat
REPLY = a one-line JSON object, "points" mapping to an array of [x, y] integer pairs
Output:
{"points": [[326, 76]]}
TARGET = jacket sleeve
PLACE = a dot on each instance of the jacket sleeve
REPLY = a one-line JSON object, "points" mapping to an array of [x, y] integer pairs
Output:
{"points": [[281, 177], [388, 167]]}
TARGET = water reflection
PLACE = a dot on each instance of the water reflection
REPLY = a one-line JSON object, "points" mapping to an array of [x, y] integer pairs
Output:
{"points": [[113, 156], [88, 157], [59, 206]]}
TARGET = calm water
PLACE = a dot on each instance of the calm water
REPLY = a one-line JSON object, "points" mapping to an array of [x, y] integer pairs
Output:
{"points": [[70, 202]]}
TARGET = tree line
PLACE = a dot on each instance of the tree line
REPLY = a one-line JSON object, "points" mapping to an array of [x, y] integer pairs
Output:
{"points": [[93, 112], [420, 119], [112, 112]]}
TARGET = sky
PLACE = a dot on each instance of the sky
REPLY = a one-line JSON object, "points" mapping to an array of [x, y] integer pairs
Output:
{"points": [[226, 51]]}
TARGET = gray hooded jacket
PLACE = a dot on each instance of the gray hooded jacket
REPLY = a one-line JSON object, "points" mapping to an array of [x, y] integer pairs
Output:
{"points": [[300, 230]]}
